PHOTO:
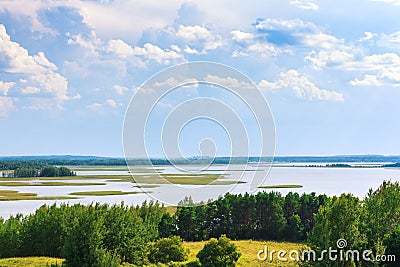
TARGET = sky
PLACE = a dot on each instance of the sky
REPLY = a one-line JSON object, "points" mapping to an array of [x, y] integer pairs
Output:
{"points": [[329, 70]]}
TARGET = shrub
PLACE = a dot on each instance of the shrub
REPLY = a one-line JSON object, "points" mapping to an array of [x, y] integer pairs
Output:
{"points": [[219, 253], [168, 250]]}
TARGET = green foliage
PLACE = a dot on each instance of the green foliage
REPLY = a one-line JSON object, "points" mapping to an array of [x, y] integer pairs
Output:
{"points": [[262, 216], [338, 219], [369, 225], [381, 214], [392, 244], [219, 253], [13, 165], [167, 250], [46, 171], [93, 235], [167, 225]]}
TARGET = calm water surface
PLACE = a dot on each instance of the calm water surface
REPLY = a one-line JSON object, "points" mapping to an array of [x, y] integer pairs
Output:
{"points": [[330, 181]]}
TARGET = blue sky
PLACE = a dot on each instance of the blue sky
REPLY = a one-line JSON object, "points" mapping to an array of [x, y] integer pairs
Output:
{"points": [[330, 70]]}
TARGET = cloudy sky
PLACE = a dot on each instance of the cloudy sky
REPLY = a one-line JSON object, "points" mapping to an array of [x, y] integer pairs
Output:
{"points": [[330, 70]]}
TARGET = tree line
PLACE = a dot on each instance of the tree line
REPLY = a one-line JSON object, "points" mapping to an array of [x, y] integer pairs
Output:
{"points": [[47, 171], [12, 165], [265, 216], [105, 235]]}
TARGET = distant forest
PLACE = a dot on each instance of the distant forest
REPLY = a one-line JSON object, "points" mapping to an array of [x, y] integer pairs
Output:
{"points": [[40, 161], [21, 169]]}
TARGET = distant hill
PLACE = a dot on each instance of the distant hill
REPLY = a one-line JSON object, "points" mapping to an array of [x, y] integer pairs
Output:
{"points": [[70, 160]]}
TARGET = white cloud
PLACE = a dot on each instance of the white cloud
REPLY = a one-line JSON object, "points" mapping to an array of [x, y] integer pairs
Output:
{"points": [[173, 82], [240, 36], [228, 82], [29, 9], [367, 36], [148, 51], [329, 58], [5, 87], [120, 89], [200, 35], [91, 42], [175, 48], [265, 49], [126, 19], [190, 50], [30, 90], [394, 2], [304, 4], [6, 104], [302, 87], [391, 41], [77, 96], [292, 25], [369, 80], [95, 106], [38, 69], [111, 103], [108, 103]]}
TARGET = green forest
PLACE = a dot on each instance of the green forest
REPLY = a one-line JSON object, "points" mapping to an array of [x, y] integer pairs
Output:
{"points": [[104, 235]]}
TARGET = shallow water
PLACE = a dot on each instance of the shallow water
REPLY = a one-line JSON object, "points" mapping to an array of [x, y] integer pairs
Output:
{"points": [[330, 181]]}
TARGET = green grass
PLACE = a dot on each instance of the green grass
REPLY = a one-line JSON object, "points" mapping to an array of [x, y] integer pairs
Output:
{"points": [[102, 193], [146, 186], [184, 179], [281, 186], [9, 195], [30, 262], [48, 184], [249, 250], [171, 209]]}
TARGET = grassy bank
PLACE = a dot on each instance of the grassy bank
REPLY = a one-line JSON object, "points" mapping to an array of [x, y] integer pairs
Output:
{"points": [[8, 195], [277, 186], [184, 179], [248, 248], [30, 262]]}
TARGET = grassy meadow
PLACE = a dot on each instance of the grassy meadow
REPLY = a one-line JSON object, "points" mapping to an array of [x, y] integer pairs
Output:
{"points": [[248, 248]]}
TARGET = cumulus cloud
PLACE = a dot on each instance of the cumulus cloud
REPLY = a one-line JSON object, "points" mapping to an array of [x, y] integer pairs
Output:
{"points": [[394, 2], [37, 68], [265, 49], [95, 106], [111, 103], [200, 36], [228, 82], [304, 4], [30, 90], [367, 36], [120, 89], [291, 25], [29, 9], [302, 86], [91, 42], [240, 36], [190, 50], [6, 104], [148, 51], [173, 82], [5, 87], [368, 80]]}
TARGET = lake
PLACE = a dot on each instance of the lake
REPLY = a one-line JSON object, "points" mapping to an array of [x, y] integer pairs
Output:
{"points": [[330, 181]]}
